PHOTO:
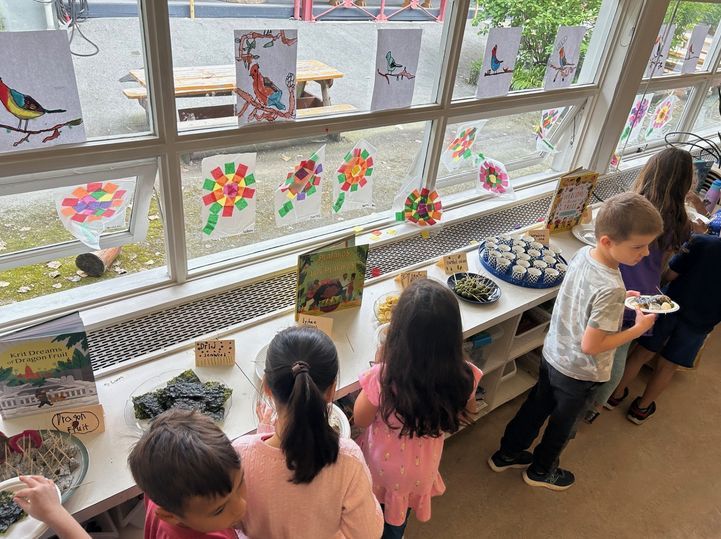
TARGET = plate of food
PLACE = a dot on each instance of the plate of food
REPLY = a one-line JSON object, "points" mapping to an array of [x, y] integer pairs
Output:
{"points": [[474, 288], [182, 389], [56, 455], [384, 305], [14, 522], [658, 304]]}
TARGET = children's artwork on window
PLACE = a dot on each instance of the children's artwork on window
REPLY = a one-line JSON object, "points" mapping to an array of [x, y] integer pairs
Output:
{"points": [[396, 64], [662, 115], [228, 197], [499, 62], [549, 117], [695, 45], [563, 62], [632, 130], [298, 198], [493, 177], [659, 53], [422, 207], [38, 91], [88, 210], [353, 188], [265, 67], [460, 149]]}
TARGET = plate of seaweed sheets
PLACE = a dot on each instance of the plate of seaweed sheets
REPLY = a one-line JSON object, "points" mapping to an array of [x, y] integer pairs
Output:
{"points": [[14, 522], [56, 455], [177, 389]]}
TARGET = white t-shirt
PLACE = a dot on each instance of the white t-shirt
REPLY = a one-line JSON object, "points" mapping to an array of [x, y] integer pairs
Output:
{"points": [[592, 295]]}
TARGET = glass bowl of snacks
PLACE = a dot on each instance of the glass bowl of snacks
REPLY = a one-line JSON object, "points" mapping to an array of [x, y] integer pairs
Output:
{"points": [[384, 305]]}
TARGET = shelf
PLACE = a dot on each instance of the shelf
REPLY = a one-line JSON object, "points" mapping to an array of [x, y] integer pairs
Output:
{"points": [[513, 387], [528, 341], [482, 410]]}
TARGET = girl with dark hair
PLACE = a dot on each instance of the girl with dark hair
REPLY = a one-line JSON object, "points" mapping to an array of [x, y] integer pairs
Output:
{"points": [[302, 480], [421, 389]]}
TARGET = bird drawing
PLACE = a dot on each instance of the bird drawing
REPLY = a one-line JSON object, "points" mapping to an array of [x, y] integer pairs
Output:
{"points": [[562, 58], [22, 106], [495, 62], [391, 62], [265, 89]]}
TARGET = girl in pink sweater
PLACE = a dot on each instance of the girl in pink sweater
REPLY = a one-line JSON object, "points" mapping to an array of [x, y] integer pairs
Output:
{"points": [[421, 389], [302, 481]]}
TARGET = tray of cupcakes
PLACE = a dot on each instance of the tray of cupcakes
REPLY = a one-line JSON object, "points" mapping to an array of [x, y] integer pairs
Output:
{"points": [[522, 261]]}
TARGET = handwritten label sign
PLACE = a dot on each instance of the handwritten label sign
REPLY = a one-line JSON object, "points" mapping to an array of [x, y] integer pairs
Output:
{"points": [[541, 235], [455, 263], [318, 322], [407, 277], [215, 353], [81, 420]]}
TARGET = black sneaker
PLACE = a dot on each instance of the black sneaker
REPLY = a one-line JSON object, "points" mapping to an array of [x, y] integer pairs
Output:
{"points": [[591, 416], [640, 415], [611, 403], [500, 462], [559, 479]]}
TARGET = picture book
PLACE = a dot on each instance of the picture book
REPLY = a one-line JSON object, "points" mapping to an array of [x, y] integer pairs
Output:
{"points": [[571, 199], [46, 368], [331, 278]]}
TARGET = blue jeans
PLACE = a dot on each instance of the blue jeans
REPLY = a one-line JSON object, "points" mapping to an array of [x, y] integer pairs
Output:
{"points": [[394, 532], [604, 391]]}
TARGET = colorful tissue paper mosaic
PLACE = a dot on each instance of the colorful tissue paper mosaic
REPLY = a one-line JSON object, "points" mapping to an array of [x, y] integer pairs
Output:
{"points": [[422, 207], [635, 117], [662, 115], [354, 174], [93, 202], [228, 190], [460, 148], [549, 117], [493, 176], [302, 182]]}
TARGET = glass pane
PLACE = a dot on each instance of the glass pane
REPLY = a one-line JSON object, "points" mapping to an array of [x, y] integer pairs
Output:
{"points": [[709, 117], [335, 66], [695, 24], [393, 151], [106, 45], [513, 140], [540, 20], [31, 221]]}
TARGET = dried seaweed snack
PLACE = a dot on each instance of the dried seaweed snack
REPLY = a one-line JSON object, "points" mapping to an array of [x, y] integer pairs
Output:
{"points": [[10, 512], [147, 406]]}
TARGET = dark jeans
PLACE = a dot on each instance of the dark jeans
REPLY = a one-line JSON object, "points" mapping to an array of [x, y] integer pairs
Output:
{"points": [[555, 397], [394, 532]]}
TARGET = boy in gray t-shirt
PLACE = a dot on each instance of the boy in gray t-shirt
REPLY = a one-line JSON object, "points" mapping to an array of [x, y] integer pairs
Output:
{"points": [[579, 347]]}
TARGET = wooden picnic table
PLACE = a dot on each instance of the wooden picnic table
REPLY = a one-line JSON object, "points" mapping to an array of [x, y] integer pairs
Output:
{"points": [[203, 81]]}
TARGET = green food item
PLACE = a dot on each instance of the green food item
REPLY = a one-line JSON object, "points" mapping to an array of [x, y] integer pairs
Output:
{"points": [[186, 392], [472, 287], [10, 512]]}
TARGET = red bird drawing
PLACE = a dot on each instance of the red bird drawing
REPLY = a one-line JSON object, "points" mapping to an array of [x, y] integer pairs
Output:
{"points": [[265, 89]]}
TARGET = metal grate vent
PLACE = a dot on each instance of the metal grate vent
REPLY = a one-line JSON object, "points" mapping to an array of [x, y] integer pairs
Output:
{"points": [[122, 342]]}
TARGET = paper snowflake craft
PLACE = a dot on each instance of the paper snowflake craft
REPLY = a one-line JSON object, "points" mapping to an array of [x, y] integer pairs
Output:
{"points": [[353, 174], [492, 176], [460, 147], [96, 201], [422, 207], [301, 183], [227, 191], [661, 115]]}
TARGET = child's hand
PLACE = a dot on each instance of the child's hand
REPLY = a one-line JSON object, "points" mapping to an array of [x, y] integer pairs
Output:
{"points": [[40, 500], [633, 294], [699, 226], [644, 321]]}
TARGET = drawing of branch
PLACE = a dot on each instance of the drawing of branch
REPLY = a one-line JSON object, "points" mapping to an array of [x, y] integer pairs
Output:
{"points": [[398, 76], [261, 112], [563, 71], [506, 70], [245, 49], [56, 130]]}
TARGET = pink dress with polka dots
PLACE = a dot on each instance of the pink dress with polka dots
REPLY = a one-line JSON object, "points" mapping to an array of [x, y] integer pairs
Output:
{"points": [[404, 470]]}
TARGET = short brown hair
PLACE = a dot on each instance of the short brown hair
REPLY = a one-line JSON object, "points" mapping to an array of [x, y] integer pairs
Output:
{"points": [[183, 454], [626, 214]]}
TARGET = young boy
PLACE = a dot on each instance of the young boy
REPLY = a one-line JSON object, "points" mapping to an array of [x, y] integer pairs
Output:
{"points": [[191, 477], [678, 337], [579, 347]]}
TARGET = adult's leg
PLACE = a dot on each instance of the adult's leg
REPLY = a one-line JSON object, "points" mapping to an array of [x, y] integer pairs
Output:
{"points": [[660, 379], [603, 391], [638, 358], [524, 427]]}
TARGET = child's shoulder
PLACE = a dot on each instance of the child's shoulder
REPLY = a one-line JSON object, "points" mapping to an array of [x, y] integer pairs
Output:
{"points": [[349, 450], [244, 443]]}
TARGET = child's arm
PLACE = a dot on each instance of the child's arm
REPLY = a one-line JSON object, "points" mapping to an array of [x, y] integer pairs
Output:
{"points": [[361, 517], [596, 341], [40, 501], [363, 411]]}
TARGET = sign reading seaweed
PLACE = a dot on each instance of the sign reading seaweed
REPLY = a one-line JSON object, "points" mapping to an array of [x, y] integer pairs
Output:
{"points": [[215, 353]]}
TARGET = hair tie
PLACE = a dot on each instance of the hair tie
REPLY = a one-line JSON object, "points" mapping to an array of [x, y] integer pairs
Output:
{"points": [[299, 367]]}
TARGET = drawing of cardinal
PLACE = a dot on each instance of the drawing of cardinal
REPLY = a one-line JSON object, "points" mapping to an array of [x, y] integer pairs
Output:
{"points": [[22, 106], [495, 62], [391, 62], [265, 89]]}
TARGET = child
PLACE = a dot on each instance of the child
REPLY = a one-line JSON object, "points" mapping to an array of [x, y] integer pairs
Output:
{"points": [[40, 500], [303, 481], [419, 391], [665, 181], [580, 344], [678, 337], [191, 477]]}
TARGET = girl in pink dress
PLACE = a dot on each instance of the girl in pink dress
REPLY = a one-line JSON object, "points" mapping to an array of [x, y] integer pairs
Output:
{"points": [[422, 389]]}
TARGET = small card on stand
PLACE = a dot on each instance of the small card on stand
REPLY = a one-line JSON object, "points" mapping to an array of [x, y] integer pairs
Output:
{"points": [[318, 322], [215, 353]]}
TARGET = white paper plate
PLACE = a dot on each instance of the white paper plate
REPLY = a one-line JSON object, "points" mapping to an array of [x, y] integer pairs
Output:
{"points": [[28, 527], [630, 305]]}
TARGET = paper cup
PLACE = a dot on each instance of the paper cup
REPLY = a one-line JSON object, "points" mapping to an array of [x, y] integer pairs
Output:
{"points": [[493, 258], [550, 276], [490, 246], [550, 260], [523, 263], [518, 249], [519, 243], [485, 254], [528, 239], [509, 256], [538, 246], [503, 265], [523, 256], [540, 264], [548, 252], [504, 248], [561, 269], [491, 239], [505, 239], [533, 275], [519, 273], [534, 253]]}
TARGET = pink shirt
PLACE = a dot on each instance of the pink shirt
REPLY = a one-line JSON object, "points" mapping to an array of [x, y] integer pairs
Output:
{"points": [[405, 470], [338, 503], [155, 528]]}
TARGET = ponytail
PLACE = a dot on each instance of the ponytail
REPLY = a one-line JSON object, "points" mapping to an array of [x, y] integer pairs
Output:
{"points": [[301, 365]]}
